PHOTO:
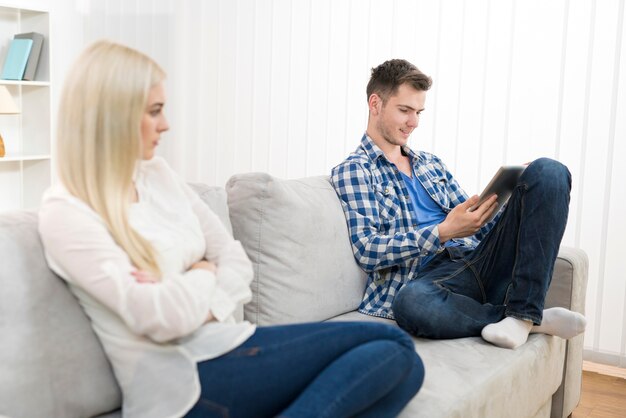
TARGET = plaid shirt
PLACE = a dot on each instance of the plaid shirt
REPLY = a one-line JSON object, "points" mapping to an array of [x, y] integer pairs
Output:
{"points": [[386, 240]]}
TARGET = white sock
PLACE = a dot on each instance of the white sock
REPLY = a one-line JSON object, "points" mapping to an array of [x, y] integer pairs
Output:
{"points": [[508, 333], [561, 322]]}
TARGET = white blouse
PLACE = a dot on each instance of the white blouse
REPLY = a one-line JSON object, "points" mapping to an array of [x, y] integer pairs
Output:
{"points": [[152, 333]]}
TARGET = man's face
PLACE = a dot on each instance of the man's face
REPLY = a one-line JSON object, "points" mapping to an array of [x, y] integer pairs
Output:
{"points": [[395, 120]]}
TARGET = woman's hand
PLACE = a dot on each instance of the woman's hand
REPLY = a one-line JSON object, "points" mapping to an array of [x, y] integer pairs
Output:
{"points": [[209, 266], [144, 277], [205, 265], [460, 223]]}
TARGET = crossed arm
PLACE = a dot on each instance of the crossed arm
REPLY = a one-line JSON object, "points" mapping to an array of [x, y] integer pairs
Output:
{"points": [[81, 250]]}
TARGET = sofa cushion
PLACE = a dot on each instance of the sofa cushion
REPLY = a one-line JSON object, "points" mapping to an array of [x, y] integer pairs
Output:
{"points": [[52, 362], [295, 233], [468, 377]]}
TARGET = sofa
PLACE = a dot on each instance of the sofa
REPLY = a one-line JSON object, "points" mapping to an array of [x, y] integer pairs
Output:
{"points": [[295, 234]]}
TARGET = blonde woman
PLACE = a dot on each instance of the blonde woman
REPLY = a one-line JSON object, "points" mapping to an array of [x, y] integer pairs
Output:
{"points": [[160, 278]]}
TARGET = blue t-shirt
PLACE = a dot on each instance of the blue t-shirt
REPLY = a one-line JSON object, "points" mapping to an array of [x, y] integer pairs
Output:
{"points": [[426, 210]]}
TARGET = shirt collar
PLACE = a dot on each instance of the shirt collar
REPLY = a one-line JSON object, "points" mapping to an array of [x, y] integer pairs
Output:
{"points": [[373, 152]]}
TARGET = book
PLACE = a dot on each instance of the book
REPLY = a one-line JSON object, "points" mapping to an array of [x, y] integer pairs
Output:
{"points": [[35, 53], [17, 57]]}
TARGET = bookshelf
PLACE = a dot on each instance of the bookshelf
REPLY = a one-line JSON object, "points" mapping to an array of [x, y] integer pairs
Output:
{"points": [[25, 170]]}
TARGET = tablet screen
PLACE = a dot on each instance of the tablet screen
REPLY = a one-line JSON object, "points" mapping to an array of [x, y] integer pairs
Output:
{"points": [[502, 184]]}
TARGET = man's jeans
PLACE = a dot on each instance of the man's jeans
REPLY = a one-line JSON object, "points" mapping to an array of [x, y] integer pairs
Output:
{"points": [[462, 290], [328, 369]]}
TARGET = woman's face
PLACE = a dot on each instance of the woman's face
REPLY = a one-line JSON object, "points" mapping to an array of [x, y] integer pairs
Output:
{"points": [[153, 122]]}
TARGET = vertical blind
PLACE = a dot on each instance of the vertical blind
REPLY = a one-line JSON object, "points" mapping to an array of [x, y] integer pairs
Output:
{"points": [[279, 86]]}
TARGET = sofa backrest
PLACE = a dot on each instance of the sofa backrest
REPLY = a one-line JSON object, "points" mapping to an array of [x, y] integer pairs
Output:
{"points": [[51, 362], [215, 198], [295, 233]]}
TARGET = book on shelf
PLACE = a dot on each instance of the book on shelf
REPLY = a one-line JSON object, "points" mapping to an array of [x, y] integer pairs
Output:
{"points": [[17, 57], [35, 53]]}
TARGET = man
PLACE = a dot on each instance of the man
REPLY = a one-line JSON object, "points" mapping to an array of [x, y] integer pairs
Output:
{"points": [[440, 270]]}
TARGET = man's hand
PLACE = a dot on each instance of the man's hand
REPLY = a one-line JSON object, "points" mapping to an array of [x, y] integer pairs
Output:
{"points": [[460, 223]]}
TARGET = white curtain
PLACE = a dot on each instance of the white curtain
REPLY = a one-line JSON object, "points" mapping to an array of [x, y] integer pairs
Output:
{"points": [[279, 86]]}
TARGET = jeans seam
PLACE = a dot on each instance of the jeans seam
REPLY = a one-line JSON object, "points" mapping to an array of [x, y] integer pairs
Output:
{"points": [[305, 336], [466, 265], [508, 312], [246, 352], [479, 282], [517, 245], [270, 346], [215, 407]]}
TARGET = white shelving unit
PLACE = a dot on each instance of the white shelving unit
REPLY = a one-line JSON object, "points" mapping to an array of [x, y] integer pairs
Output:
{"points": [[25, 170]]}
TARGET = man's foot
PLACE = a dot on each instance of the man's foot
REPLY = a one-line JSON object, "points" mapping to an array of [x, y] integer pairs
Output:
{"points": [[512, 332], [508, 333], [561, 322]]}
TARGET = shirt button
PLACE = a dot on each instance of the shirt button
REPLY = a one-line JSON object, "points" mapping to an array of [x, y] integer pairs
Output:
{"points": [[386, 191]]}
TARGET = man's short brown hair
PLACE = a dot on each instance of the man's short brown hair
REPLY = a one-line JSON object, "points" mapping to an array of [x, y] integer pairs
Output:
{"points": [[388, 76]]}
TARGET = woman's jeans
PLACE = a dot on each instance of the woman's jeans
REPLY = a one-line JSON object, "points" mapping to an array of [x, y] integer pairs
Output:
{"points": [[329, 369], [462, 290]]}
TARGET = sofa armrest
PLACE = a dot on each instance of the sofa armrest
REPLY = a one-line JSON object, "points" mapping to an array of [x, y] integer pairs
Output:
{"points": [[568, 289], [569, 280]]}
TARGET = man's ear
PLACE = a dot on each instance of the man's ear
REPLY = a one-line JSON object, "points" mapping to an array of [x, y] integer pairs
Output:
{"points": [[375, 104]]}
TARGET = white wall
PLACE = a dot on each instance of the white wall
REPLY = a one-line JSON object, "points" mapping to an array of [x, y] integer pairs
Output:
{"points": [[279, 86]]}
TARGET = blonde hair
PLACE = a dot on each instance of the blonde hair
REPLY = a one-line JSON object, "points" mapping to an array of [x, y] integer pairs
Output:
{"points": [[99, 137]]}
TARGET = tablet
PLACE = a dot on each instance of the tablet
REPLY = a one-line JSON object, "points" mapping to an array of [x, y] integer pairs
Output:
{"points": [[502, 184]]}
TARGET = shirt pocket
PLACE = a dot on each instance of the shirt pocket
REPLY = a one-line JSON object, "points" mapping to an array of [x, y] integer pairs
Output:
{"points": [[442, 191], [387, 200]]}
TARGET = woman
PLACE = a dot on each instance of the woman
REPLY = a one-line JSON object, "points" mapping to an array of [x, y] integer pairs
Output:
{"points": [[160, 277]]}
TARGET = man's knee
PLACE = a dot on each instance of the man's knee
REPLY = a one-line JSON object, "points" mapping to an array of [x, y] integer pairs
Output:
{"points": [[401, 301], [551, 174], [410, 307]]}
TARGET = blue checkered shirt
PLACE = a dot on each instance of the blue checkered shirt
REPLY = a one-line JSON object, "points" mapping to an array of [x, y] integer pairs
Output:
{"points": [[386, 239]]}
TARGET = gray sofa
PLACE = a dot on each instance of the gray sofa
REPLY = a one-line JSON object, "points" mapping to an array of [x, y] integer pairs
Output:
{"points": [[294, 232]]}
